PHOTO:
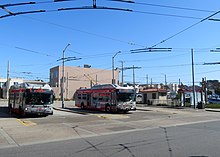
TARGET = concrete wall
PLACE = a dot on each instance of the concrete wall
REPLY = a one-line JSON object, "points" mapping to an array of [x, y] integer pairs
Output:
{"points": [[76, 77]]}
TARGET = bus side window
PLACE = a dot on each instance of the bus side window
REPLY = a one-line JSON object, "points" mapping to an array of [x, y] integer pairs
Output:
{"points": [[79, 96], [100, 98], [84, 96]]}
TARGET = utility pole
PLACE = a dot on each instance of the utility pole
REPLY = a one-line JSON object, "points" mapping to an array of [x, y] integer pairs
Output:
{"points": [[67, 85], [193, 79], [113, 69], [165, 79], [147, 80], [65, 59], [133, 67], [133, 77], [151, 82], [8, 81], [122, 73], [62, 86]]}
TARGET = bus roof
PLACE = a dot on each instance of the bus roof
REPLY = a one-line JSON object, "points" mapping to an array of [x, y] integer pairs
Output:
{"points": [[109, 86], [32, 86]]}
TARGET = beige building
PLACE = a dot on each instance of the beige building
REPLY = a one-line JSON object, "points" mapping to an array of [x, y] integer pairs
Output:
{"points": [[76, 77]]}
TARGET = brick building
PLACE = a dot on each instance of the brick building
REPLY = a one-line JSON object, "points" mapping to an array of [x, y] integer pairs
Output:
{"points": [[76, 77]]}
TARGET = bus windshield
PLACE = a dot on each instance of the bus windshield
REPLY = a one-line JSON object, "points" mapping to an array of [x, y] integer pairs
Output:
{"points": [[38, 98], [124, 97]]}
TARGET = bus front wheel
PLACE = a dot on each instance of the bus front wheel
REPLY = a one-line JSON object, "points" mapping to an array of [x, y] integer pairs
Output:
{"points": [[21, 112], [82, 106], [107, 108]]}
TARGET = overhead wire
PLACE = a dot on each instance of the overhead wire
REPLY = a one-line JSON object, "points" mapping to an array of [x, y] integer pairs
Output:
{"points": [[162, 6], [36, 52], [170, 15], [85, 32], [185, 29], [119, 1]]}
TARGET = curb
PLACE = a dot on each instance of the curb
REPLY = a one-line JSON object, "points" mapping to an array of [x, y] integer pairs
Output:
{"points": [[141, 109], [212, 110]]}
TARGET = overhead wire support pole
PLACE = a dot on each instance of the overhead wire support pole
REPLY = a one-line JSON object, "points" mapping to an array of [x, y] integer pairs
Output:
{"points": [[113, 68], [122, 73], [62, 86], [193, 79], [65, 59]]}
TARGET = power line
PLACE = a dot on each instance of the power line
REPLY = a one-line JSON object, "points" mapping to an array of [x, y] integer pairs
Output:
{"points": [[187, 28], [32, 51], [173, 7], [170, 15], [85, 32], [33, 3]]}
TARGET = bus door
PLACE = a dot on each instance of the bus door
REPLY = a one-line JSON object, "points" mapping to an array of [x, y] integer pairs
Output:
{"points": [[94, 99], [88, 99], [113, 98]]}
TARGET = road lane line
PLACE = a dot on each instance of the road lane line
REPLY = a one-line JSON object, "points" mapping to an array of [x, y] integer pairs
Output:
{"points": [[26, 123]]}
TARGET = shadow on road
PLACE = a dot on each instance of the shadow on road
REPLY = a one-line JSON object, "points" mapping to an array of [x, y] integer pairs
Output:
{"points": [[89, 111], [4, 112]]}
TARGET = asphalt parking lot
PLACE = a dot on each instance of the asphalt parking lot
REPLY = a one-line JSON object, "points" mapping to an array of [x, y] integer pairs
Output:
{"points": [[72, 122]]}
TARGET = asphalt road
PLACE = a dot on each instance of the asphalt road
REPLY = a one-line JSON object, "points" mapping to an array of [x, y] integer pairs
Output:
{"points": [[195, 140], [146, 132]]}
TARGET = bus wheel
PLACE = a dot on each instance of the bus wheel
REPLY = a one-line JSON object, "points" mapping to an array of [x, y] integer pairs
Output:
{"points": [[125, 111], [82, 106], [10, 108], [107, 108], [21, 112]]}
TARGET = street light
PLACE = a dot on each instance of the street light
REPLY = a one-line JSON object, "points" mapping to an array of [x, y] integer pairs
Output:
{"points": [[113, 73], [65, 59], [62, 86]]}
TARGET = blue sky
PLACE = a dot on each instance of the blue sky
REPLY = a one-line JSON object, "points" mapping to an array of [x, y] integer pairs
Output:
{"points": [[34, 42]]}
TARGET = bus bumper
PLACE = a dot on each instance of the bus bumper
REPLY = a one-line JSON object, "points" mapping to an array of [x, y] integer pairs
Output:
{"points": [[39, 110]]}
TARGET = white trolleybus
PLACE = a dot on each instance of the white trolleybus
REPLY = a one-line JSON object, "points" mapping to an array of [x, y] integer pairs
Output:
{"points": [[107, 97], [31, 98]]}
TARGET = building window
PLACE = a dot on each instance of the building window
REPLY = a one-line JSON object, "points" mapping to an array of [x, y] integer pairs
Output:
{"points": [[153, 95]]}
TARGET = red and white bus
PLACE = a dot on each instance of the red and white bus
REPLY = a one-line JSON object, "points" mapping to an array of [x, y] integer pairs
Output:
{"points": [[107, 97], [31, 98]]}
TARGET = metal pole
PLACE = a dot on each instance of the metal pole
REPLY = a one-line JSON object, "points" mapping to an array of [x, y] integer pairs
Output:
{"points": [[151, 82], [62, 86], [67, 86], [133, 77], [113, 77], [147, 79], [165, 79], [8, 81], [122, 73], [113, 69], [193, 79], [134, 80]]}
